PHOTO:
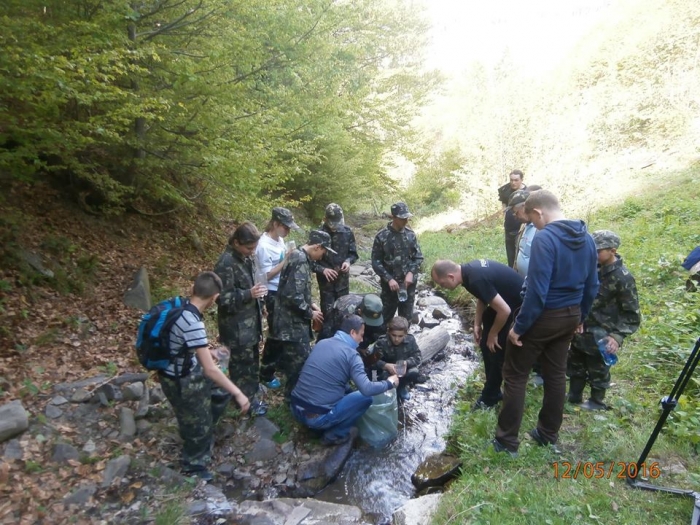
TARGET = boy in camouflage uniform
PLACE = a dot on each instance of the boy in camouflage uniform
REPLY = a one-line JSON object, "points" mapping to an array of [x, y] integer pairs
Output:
{"points": [[398, 345], [332, 271], [396, 259], [369, 307], [190, 394], [294, 310], [613, 316], [240, 311]]}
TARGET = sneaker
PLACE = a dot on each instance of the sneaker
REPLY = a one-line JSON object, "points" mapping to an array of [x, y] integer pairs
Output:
{"points": [[542, 442], [403, 393], [258, 408], [480, 405], [202, 474], [274, 384], [500, 447]]}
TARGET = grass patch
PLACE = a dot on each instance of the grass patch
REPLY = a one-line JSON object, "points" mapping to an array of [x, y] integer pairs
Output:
{"points": [[657, 231]]}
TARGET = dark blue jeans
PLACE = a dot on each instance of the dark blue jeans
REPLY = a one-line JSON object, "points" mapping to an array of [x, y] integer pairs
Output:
{"points": [[335, 424]]}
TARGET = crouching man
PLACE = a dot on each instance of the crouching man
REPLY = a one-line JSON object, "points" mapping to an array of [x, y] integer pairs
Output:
{"points": [[320, 400]]}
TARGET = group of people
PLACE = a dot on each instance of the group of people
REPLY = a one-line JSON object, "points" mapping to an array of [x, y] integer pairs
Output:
{"points": [[564, 299], [259, 276]]}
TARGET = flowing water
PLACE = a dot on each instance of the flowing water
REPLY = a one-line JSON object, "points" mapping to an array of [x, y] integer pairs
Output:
{"points": [[379, 481]]}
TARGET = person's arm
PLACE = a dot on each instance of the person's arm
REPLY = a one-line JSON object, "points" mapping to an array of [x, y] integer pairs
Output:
{"points": [[502, 310], [538, 279], [352, 252], [590, 288], [235, 293], [378, 260], [214, 373], [478, 320], [271, 270], [364, 385], [416, 258], [629, 317]]}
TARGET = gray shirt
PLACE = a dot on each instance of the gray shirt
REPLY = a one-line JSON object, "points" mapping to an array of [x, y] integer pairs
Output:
{"points": [[325, 375], [188, 332]]}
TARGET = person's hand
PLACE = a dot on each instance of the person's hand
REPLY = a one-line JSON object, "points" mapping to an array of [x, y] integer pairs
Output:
{"points": [[393, 285], [330, 274], [317, 315], [612, 346], [258, 291], [579, 329], [477, 332], [345, 267], [391, 368], [408, 279], [492, 343], [514, 338], [243, 402], [394, 379]]}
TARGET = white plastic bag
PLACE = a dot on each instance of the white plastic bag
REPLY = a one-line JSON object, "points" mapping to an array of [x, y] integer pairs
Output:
{"points": [[380, 424]]}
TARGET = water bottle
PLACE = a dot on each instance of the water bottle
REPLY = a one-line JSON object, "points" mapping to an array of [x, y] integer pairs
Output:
{"points": [[610, 359], [260, 276], [224, 356], [291, 245], [403, 294]]}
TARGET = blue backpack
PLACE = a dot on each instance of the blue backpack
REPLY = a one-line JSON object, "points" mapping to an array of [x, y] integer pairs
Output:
{"points": [[153, 340]]}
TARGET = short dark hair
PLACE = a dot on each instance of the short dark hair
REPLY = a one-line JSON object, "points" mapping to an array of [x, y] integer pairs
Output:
{"points": [[207, 285], [398, 323], [519, 173], [351, 323], [246, 233]]}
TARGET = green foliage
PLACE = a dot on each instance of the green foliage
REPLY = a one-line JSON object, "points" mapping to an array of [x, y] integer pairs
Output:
{"points": [[434, 186]]}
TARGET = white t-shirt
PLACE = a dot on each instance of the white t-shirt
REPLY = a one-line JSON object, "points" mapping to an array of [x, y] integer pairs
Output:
{"points": [[269, 253]]}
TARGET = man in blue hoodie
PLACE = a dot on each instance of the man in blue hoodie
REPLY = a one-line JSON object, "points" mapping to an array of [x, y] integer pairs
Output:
{"points": [[561, 285], [320, 400]]}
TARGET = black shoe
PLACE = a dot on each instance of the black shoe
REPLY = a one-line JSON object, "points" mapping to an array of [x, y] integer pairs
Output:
{"points": [[500, 447], [574, 400], [421, 379], [594, 405], [202, 474], [537, 438], [403, 393]]}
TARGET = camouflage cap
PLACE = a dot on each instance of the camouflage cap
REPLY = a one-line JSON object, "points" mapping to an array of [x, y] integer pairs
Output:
{"points": [[400, 210], [322, 238], [284, 216], [334, 215], [371, 310], [518, 197], [605, 239]]}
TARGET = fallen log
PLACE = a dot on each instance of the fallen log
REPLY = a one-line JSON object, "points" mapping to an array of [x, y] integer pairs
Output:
{"points": [[431, 342]]}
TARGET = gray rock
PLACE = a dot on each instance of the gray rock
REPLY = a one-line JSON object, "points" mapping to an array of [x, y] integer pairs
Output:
{"points": [[62, 452], [138, 295], [318, 472], [197, 507], [144, 403], [356, 270], [428, 322], [435, 471], [110, 393], [67, 387], [13, 420], [226, 469], [290, 511], [157, 395], [13, 450], [34, 260], [263, 450], [168, 475], [415, 317], [116, 468], [418, 511], [89, 446], [131, 377], [265, 427], [58, 401], [280, 478], [432, 300], [80, 396], [132, 391], [288, 447], [82, 495], [127, 424], [53, 412], [441, 313], [143, 426]]}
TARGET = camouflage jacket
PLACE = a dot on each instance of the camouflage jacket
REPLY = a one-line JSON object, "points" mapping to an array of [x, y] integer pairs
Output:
{"points": [[394, 254], [342, 307], [388, 353], [343, 242], [240, 316], [615, 310], [292, 319]]}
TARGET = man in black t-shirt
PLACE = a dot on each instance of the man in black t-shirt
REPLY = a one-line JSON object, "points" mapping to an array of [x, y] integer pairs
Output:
{"points": [[511, 224], [497, 290]]}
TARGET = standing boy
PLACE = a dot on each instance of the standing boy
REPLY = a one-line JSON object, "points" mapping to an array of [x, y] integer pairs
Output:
{"points": [[187, 383], [497, 290], [398, 345], [396, 259], [614, 316], [294, 310], [333, 270]]}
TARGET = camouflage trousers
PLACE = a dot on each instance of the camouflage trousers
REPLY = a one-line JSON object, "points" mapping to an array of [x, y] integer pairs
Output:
{"points": [[244, 369], [294, 355], [197, 406], [585, 362], [328, 297], [391, 303]]}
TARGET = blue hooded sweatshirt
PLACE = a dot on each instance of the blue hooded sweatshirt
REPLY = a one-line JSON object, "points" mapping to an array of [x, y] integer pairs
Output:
{"points": [[563, 272]]}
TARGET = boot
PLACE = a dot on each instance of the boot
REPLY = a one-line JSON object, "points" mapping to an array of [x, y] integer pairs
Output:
{"points": [[576, 386], [596, 400]]}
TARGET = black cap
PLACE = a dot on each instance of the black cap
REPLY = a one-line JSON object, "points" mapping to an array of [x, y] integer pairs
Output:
{"points": [[322, 238], [284, 216], [400, 210]]}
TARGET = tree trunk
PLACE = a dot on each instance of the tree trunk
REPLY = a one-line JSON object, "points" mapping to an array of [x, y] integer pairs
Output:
{"points": [[431, 342]]}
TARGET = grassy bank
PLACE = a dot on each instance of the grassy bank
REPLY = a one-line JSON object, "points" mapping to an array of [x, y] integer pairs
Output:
{"points": [[658, 228]]}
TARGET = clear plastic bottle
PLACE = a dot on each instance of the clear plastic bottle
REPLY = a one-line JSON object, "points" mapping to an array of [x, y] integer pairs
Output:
{"points": [[224, 356], [402, 293], [610, 359]]}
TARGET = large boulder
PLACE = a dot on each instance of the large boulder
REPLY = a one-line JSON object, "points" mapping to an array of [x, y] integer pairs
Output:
{"points": [[13, 420], [435, 471], [418, 511]]}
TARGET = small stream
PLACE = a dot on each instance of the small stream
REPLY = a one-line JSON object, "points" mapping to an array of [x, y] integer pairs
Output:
{"points": [[379, 481]]}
